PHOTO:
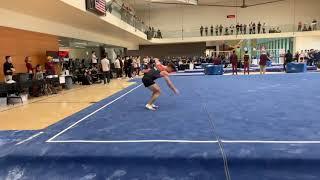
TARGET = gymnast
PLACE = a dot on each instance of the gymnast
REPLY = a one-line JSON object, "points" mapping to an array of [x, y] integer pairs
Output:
{"points": [[153, 73]]}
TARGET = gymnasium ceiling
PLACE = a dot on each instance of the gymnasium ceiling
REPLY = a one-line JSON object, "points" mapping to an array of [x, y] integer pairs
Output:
{"points": [[145, 4]]}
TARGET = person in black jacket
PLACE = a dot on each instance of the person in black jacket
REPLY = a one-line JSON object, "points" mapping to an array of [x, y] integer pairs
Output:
{"points": [[130, 67], [206, 30], [8, 68], [287, 59]]}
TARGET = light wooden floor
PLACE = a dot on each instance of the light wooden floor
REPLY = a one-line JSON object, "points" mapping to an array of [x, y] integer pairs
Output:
{"points": [[42, 112]]}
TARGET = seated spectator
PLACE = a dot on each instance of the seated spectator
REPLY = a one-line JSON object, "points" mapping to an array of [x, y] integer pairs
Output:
{"points": [[8, 69], [49, 66], [38, 72]]}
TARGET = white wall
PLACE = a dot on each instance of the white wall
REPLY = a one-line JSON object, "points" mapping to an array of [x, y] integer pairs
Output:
{"points": [[192, 17], [309, 42], [77, 53]]}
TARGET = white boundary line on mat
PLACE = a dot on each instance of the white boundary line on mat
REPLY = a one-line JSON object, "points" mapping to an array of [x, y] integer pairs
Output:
{"points": [[137, 141], [94, 112], [31, 137], [183, 141], [268, 142]]}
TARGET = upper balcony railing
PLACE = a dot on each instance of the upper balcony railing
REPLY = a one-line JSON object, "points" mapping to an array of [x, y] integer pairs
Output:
{"points": [[196, 32], [117, 10]]}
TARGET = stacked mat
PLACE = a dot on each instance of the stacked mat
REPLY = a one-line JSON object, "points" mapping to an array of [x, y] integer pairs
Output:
{"points": [[296, 68], [214, 70]]}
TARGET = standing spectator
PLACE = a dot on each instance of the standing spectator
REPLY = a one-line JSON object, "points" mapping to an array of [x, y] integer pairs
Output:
{"points": [[234, 62], [211, 30], [201, 30], [105, 64], [301, 57], [232, 29], [241, 30], [217, 60], [245, 29], [217, 30], [220, 29], [259, 27], [8, 69], [254, 28], [94, 59], [288, 58], [314, 25], [263, 62], [296, 56], [153, 32], [300, 26], [122, 66], [49, 66], [145, 62], [117, 66], [130, 67], [306, 56], [136, 66], [139, 65], [159, 34], [29, 67], [264, 28], [250, 28], [246, 62], [206, 30], [226, 31], [237, 28], [125, 66]]}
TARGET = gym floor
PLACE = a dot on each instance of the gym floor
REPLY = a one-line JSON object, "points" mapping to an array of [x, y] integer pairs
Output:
{"points": [[219, 127]]}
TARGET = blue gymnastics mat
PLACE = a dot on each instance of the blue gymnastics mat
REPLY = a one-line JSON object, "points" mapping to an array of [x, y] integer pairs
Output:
{"points": [[218, 128]]}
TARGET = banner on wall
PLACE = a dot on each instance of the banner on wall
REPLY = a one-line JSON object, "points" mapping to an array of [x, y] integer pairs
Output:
{"points": [[231, 16], [96, 6], [58, 55], [64, 55]]}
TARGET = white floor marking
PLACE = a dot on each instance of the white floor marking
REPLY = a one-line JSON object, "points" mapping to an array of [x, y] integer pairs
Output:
{"points": [[31, 137], [94, 112], [185, 141], [268, 142], [137, 141]]}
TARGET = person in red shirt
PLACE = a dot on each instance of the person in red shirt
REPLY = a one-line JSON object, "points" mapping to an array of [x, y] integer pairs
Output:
{"points": [[246, 63], [263, 62], [217, 60], [234, 62], [29, 67], [49, 66]]}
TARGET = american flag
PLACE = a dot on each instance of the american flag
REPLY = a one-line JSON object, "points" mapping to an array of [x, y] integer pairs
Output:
{"points": [[100, 6]]}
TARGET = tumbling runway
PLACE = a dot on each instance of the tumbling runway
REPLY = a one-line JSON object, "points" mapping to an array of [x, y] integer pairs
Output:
{"points": [[220, 127]]}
